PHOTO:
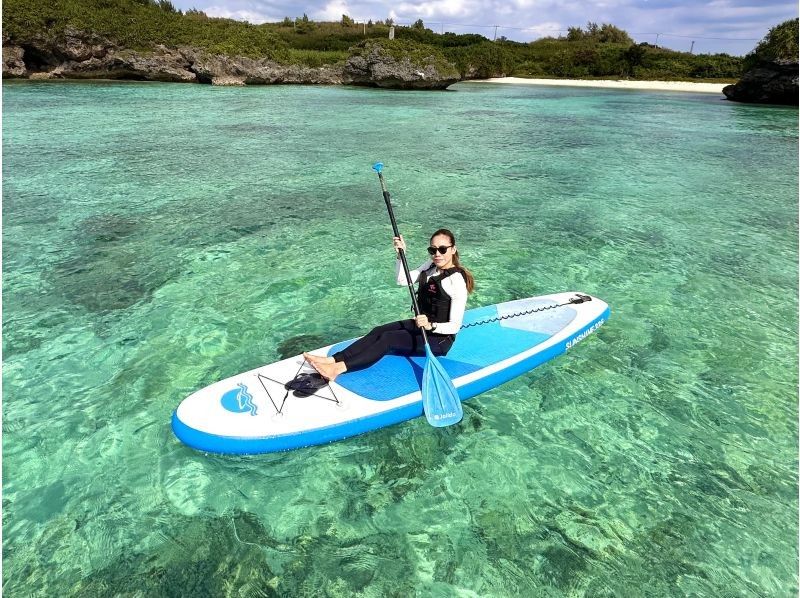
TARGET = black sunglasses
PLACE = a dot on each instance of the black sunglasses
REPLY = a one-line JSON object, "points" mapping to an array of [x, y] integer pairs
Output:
{"points": [[442, 249]]}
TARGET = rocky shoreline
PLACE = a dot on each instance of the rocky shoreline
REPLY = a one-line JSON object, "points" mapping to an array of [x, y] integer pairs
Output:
{"points": [[768, 82], [75, 54], [80, 55]]}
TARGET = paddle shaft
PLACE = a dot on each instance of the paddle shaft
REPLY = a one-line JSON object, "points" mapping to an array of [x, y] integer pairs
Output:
{"points": [[388, 200]]}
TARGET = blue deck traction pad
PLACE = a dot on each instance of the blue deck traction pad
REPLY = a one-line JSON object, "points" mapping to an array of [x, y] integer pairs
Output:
{"points": [[475, 348]]}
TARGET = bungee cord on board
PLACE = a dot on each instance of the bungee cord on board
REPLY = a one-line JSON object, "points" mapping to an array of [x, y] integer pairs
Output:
{"points": [[578, 299]]}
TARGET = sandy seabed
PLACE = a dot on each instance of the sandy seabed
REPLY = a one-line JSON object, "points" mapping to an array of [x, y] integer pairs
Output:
{"points": [[615, 84]]}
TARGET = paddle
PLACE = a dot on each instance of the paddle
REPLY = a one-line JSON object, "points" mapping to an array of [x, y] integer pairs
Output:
{"points": [[439, 397]]}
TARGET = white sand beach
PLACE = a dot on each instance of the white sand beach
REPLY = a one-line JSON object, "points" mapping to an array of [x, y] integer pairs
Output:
{"points": [[618, 84]]}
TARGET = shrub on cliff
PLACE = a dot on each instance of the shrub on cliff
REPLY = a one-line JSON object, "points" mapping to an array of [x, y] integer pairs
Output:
{"points": [[780, 44], [401, 49], [139, 25]]}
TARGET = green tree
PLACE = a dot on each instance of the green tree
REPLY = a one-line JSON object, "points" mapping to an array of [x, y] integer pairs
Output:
{"points": [[609, 34], [601, 34], [347, 21], [575, 34], [418, 24], [304, 26], [633, 57]]}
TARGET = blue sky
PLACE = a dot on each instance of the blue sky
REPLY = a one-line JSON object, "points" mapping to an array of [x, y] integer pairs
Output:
{"points": [[732, 26]]}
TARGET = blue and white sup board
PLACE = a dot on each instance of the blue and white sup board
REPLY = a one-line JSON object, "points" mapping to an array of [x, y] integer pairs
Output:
{"points": [[253, 412]]}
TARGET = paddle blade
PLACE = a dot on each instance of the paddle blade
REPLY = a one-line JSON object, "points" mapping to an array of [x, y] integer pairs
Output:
{"points": [[439, 396]]}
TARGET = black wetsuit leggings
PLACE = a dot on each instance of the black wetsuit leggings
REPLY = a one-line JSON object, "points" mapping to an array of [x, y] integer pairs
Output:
{"points": [[397, 338]]}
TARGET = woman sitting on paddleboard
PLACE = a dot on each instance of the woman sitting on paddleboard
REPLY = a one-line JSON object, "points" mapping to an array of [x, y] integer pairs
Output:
{"points": [[442, 297]]}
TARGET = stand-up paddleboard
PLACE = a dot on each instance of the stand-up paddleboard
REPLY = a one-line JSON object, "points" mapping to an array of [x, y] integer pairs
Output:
{"points": [[253, 412]]}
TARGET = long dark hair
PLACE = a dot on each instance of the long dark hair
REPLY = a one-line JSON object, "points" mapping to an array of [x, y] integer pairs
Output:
{"points": [[467, 274]]}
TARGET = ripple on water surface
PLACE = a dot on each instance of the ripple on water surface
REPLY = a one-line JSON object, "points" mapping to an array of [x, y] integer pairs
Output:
{"points": [[148, 253]]}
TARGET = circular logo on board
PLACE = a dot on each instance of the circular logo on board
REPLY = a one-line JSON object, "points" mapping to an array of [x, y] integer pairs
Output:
{"points": [[239, 400]]}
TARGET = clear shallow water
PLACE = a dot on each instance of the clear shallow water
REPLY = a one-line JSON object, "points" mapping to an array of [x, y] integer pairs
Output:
{"points": [[157, 238]]}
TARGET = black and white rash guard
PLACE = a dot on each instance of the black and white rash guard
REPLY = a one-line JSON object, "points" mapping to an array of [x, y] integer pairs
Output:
{"points": [[455, 286]]}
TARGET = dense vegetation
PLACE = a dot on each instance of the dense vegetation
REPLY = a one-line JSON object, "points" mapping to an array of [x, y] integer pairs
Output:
{"points": [[589, 59], [594, 52], [780, 43]]}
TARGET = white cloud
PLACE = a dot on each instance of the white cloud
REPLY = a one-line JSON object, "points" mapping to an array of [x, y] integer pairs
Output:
{"points": [[549, 29], [438, 9], [333, 11], [250, 16]]}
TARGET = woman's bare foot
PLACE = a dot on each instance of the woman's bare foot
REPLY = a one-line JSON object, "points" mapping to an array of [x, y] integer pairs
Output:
{"points": [[312, 359], [329, 371]]}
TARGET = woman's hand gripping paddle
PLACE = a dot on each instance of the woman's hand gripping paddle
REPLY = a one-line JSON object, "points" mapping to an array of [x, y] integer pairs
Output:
{"points": [[439, 397]]}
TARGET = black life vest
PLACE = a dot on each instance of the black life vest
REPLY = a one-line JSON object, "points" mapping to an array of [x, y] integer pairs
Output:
{"points": [[432, 299]]}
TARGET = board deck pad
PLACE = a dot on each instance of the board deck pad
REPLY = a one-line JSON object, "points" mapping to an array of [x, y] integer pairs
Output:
{"points": [[476, 347], [253, 412]]}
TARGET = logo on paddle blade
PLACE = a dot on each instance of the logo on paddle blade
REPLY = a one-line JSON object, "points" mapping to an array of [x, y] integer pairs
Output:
{"points": [[437, 416], [239, 400]]}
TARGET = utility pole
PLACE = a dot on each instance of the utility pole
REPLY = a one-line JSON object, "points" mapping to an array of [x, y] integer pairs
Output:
{"points": [[495, 33], [692, 48], [657, 34]]}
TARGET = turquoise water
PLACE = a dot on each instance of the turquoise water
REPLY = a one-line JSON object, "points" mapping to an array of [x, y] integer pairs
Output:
{"points": [[157, 238]]}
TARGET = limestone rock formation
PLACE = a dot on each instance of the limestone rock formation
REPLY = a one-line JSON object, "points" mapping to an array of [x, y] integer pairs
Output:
{"points": [[767, 83], [162, 64], [255, 72], [79, 55], [227, 81], [13, 64], [374, 65]]}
